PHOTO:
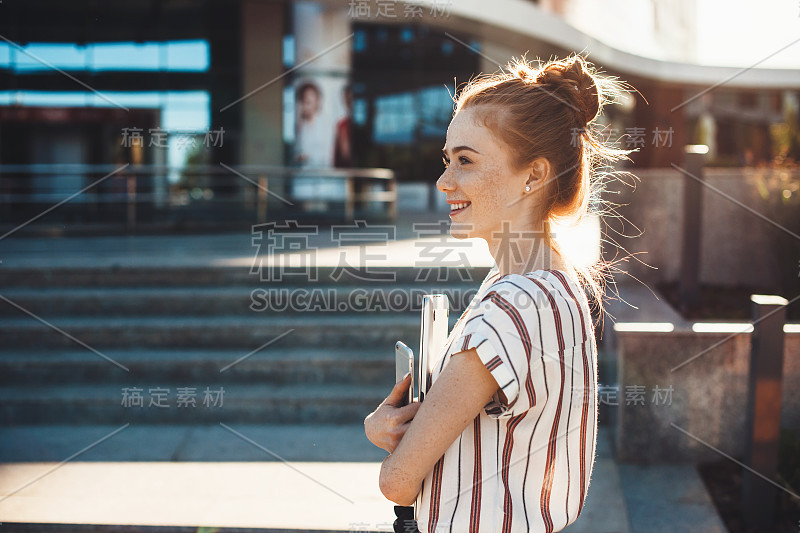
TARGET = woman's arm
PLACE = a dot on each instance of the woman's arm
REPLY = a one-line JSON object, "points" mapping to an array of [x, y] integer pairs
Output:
{"points": [[457, 396]]}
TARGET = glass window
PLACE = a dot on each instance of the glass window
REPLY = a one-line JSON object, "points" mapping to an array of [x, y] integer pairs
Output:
{"points": [[360, 41], [395, 119], [192, 56], [187, 55], [39, 56]]}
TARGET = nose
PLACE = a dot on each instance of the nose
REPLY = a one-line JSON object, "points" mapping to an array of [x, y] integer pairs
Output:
{"points": [[445, 183]]}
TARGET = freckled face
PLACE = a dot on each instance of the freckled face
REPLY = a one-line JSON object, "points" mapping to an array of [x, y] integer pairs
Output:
{"points": [[478, 173]]}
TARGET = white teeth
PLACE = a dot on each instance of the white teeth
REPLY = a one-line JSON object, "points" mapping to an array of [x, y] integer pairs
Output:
{"points": [[453, 207]]}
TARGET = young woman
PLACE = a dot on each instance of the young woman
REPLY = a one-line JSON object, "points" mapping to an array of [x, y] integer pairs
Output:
{"points": [[505, 439]]}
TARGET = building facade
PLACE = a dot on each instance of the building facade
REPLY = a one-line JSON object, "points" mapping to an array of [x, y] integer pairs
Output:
{"points": [[275, 84]]}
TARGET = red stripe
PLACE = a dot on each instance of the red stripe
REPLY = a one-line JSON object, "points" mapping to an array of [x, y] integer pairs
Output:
{"points": [[563, 280], [512, 424], [549, 474], [466, 342], [494, 363], [477, 482], [519, 323], [436, 493], [585, 408], [515, 317]]}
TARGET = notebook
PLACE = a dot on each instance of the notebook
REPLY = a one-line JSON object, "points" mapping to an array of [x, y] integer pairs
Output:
{"points": [[433, 336]]}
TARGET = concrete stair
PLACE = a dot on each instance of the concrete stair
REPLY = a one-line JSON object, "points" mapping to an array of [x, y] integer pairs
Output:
{"points": [[338, 403], [267, 367], [78, 341], [256, 300], [225, 331]]}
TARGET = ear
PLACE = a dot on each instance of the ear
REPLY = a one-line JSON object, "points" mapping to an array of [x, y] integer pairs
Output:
{"points": [[539, 170]]}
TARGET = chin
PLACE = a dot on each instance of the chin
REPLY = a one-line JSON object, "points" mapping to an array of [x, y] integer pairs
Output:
{"points": [[459, 230]]}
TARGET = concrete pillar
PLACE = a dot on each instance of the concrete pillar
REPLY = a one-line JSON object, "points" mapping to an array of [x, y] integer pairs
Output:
{"points": [[262, 62], [664, 131], [759, 496], [691, 237]]}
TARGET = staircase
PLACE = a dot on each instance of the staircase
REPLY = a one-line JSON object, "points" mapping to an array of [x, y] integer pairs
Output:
{"points": [[296, 382], [205, 345]]}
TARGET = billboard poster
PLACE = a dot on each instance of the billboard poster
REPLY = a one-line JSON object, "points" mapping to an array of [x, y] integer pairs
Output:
{"points": [[321, 98]]}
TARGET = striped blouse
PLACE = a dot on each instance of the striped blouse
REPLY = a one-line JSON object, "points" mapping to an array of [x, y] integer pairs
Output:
{"points": [[523, 465]]}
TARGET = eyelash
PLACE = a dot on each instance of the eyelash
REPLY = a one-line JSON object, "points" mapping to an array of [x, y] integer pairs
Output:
{"points": [[461, 159]]}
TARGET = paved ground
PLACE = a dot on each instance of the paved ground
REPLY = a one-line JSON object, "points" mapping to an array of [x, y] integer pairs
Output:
{"points": [[215, 442], [265, 487], [297, 496], [668, 498]]}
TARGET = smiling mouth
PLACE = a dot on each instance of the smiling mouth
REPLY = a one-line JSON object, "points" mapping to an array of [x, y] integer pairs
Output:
{"points": [[459, 207]]}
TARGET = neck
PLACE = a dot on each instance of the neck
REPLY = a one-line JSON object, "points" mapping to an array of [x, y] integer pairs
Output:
{"points": [[519, 251]]}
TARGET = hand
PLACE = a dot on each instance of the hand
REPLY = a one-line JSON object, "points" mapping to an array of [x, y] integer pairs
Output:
{"points": [[386, 425]]}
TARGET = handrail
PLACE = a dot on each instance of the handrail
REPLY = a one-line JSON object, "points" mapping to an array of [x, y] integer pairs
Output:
{"points": [[252, 189], [79, 168]]}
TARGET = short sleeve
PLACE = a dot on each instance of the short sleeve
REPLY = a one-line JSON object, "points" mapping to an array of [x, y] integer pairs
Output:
{"points": [[500, 329]]}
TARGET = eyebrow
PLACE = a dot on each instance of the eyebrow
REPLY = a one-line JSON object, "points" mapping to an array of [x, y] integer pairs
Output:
{"points": [[459, 149]]}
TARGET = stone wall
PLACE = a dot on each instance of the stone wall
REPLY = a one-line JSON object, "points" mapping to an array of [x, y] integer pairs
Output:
{"points": [[735, 242], [708, 399]]}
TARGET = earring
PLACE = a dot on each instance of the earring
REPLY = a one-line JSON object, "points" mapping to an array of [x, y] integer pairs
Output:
{"points": [[527, 188]]}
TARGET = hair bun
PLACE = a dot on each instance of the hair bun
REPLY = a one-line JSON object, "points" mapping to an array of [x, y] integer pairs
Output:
{"points": [[524, 71], [573, 79]]}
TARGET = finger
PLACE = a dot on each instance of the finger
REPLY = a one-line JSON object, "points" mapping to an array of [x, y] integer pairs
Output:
{"points": [[400, 390], [406, 413]]}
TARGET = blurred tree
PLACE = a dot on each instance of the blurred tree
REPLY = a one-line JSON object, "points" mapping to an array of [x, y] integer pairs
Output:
{"points": [[786, 139], [191, 179], [780, 184]]}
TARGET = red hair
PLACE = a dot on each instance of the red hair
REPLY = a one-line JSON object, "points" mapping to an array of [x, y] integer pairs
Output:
{"points": [[549, 112]]}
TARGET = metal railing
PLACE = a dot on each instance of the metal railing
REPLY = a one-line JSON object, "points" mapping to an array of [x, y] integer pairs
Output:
{"points": [[162, 195]]}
